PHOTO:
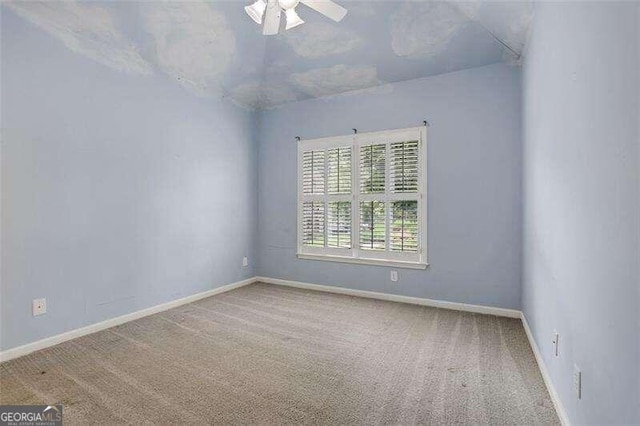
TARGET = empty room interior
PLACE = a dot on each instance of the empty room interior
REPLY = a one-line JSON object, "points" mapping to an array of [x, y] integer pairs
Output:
{"points": [[320, 212]]}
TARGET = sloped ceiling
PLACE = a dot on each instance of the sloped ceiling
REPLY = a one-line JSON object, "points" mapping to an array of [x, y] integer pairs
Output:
{"points": [[213, 49]]}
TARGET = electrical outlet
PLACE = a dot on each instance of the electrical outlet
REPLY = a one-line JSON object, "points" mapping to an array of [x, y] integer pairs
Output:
{"points": [[39, 307], [245, 261], [556, 343], [577, 381], [394, 276]]}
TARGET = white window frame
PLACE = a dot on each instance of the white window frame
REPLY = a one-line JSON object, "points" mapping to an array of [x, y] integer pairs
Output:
{"points": [[355, 254]]}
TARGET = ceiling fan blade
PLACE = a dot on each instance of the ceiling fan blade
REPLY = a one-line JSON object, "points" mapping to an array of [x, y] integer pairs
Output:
{"points": [[327, 8], [272, 18]]}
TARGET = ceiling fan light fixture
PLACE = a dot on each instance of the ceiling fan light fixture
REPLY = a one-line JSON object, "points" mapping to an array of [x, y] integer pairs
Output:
{"points": [[256, 10], [293, 20], [288, 4]]}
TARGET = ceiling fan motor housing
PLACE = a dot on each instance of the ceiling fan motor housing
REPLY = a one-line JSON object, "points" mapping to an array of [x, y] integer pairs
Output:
{"points": [[288, 4]]}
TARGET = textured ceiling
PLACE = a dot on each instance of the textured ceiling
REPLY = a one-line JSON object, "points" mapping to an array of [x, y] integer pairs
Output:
{"points": [[214, 50]]}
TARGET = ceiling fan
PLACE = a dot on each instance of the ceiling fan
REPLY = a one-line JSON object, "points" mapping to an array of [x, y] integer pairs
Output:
{"points": [[272, 9]]}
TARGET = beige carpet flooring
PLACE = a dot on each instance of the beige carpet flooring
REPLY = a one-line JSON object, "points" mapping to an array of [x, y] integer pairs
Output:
{"points": [[272, 355]]}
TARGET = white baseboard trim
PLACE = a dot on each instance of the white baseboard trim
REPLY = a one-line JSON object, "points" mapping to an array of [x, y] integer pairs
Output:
{"points": [[93, 328], [557, 403], [501, 312]]}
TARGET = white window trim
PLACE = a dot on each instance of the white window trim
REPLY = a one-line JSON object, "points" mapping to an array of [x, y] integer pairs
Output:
{"points": [[354, 254]]}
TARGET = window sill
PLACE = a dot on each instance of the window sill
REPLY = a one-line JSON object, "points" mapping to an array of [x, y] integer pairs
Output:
{"points": [[374, 262]]}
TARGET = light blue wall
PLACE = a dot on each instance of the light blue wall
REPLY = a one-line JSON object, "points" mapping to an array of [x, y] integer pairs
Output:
{"points": [[474, 193], [581, 188], [118, 192]]}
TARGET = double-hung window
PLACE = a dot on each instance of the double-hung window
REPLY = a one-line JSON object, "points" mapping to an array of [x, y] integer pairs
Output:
{"points": [[362, 198]]}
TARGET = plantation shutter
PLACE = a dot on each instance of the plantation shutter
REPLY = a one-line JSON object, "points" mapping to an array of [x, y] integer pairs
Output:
{"points": [[326, 184], [339, 224], [313, 172], [313, 223], [403, 177], [339, 171], [372, 168], [362, 198], [403, 169]]}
